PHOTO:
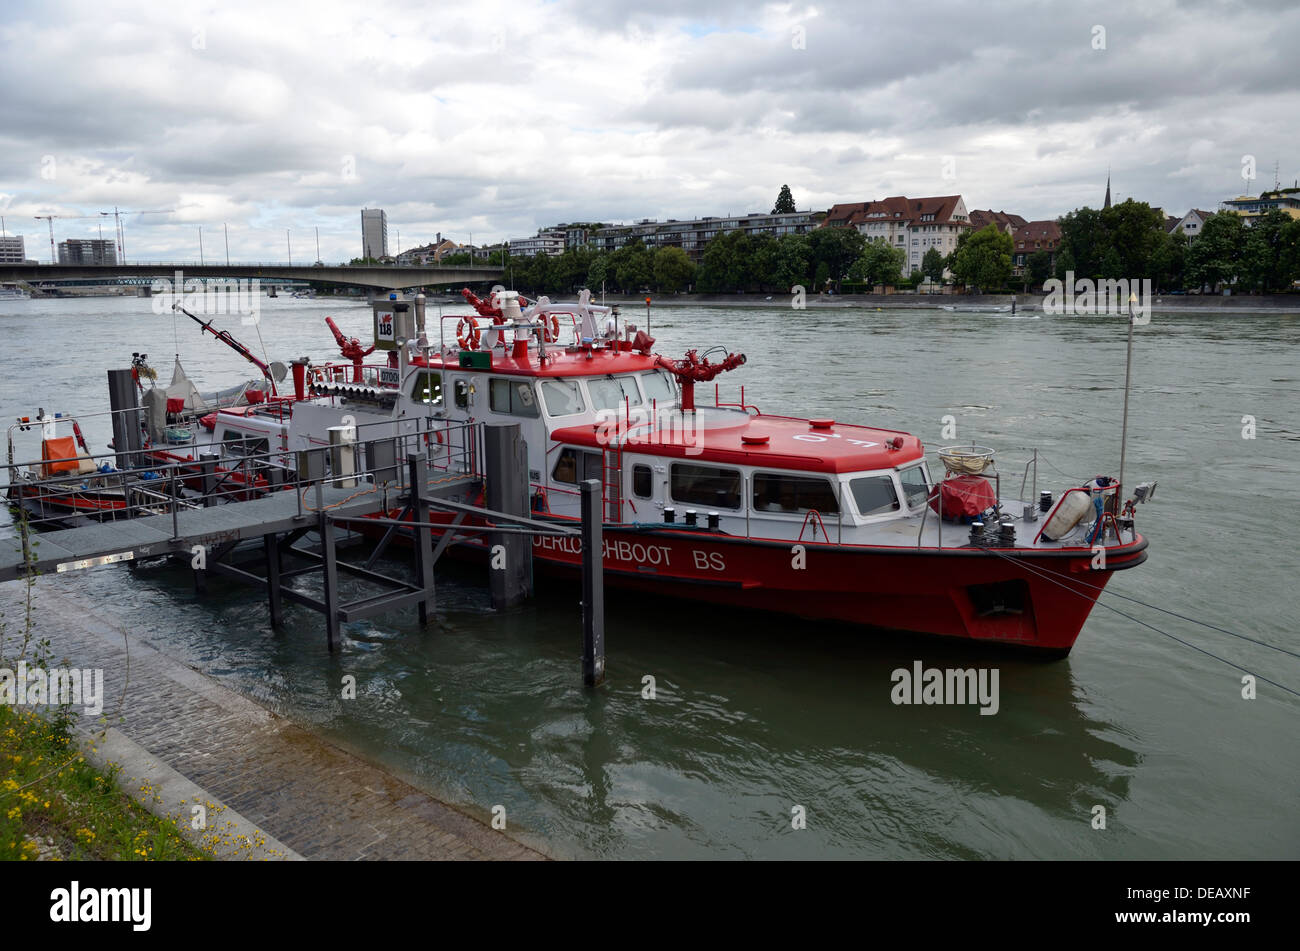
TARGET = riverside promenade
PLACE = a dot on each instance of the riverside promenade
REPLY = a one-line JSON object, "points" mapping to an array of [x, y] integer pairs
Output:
{"points": [[318, 800]]}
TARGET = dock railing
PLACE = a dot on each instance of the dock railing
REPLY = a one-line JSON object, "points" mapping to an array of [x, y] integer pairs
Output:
{"points": [[112, 486]]}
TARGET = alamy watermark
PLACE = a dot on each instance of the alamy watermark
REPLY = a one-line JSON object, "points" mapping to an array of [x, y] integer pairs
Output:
{"points": [[1086, 296], [212, 298], [60, 686], [641, 427], [952, 685]]}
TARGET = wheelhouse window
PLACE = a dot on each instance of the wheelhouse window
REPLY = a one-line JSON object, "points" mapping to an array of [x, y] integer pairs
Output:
{"points": [[874, 495], [706, 485], [242, 444], [514, 397], [659, 386], [562, 397], [427, 387], [642, 481], [577, 465], [461, 389], [916, 486], [611, 391], [779, 492]]}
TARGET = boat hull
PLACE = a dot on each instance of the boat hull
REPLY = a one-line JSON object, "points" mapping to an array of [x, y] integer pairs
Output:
{"points": [[1034, 599]]}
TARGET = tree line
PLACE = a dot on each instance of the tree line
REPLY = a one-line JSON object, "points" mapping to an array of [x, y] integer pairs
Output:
{"points": [[1129, 240]]}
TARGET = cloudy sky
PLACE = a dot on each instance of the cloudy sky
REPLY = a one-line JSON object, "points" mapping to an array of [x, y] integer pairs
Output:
{"points": [[492, 119]]}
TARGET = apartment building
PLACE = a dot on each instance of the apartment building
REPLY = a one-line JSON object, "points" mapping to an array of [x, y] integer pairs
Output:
{"points": [[693, 234], [913, 224]]}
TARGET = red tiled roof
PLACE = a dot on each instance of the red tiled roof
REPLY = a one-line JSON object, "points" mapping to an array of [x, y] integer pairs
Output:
{"points": [[983, 218], [898, 208], [1046, 234]]}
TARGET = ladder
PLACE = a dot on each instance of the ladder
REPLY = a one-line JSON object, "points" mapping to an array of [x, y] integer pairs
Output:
{"points": [[611, 482]]}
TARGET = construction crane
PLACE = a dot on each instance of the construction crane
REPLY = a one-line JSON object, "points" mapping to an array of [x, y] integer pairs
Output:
{"points": [[121, 235], [50, 219]]}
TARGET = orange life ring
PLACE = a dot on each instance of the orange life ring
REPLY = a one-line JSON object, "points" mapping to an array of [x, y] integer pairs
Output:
{"points": [[468, 340], [551, 330], [437, 435]]}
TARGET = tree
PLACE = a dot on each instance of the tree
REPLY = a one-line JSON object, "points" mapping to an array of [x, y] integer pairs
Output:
{"points": [[1083, 234], [822, 277], [1215, 256], [984, 258], [1266, 256], [1039, 267], [784, 202], [791, 260], [837, 248], [1112, 268], [932, 265], [1168, 262], [598, 272], [878, 264], [1133, 230], [673, 270]]}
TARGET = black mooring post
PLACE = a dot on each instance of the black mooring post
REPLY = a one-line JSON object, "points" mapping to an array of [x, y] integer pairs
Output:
{"points": [[510, 563], [329, 561], [271, 544], [418, 470], [593, 587]]}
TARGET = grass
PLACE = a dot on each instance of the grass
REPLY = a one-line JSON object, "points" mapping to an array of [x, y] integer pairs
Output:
{"points": [[56, 806]]}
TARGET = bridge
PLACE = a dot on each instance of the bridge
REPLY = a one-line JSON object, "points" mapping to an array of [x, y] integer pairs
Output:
{"points": [[380, 277]]}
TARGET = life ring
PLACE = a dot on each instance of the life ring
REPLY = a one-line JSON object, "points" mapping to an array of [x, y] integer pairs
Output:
{"points": [[437, 433], [550, 328], [468, 340]]}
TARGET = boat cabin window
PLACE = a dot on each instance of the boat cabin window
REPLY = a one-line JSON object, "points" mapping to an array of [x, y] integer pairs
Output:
{"points": [[514, 397], [706, 485], [461, 389], [659, 386], [609, 392], [562, 397], [242, 444], [427, 387], [577, 465], [916, 486], [780, 492], [874, 495], [642, 482]]}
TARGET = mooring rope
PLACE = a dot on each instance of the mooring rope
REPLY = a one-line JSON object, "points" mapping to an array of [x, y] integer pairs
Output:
{"points": [[1223, 660]]}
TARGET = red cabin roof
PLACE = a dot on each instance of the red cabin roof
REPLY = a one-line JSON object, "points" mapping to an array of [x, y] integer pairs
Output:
{"points": [[790, 443]]}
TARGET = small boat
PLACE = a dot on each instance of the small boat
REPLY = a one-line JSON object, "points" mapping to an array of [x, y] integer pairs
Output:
{"points": [[13, 292]]}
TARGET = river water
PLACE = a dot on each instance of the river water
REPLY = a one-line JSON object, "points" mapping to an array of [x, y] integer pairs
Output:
{"points": [[756, 715]]}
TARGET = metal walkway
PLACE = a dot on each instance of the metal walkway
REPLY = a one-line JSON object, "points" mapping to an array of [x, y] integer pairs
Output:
{"points": [[104, 543]]}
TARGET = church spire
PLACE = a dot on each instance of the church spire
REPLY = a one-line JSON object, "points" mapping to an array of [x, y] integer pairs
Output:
{"points": [[1107, 204]]}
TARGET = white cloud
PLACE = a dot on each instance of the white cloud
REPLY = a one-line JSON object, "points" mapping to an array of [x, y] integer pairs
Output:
{"points": [[496, 118]]}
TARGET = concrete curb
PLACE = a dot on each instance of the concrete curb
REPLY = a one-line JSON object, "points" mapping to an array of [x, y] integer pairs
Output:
{"points": [[170, 796]]}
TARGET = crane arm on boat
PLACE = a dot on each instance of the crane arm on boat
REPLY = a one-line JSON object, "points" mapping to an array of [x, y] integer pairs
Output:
{"points": [[225, 337]]}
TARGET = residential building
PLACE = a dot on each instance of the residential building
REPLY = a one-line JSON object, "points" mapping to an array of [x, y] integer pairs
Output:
{"points": [[544, 242], [87, 251], [693, 234], [428, 253], [913, 224], [1287, 200], [979, 220], [11, 250], [1191, 223], [1032, 237], [374, 233]]}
